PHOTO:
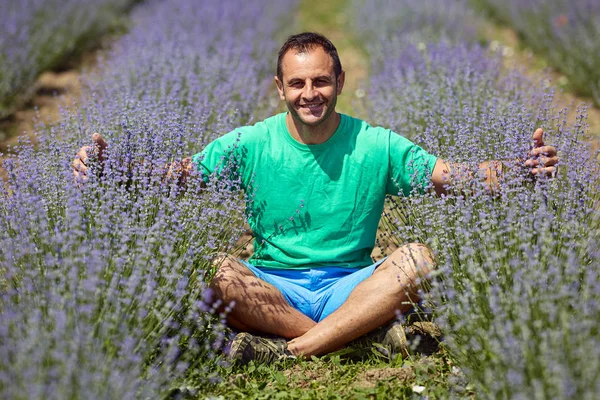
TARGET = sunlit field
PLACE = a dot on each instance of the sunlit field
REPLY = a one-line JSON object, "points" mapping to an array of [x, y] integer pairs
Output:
{"points": [[104, 281]]}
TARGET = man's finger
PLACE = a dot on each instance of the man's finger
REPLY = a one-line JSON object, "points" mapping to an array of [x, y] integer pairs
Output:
{"points": [[545, 161], [100, 145], [544, 150], [81, 158], [79, 176], [79, 166], [538, 138], [547, 171], [82, 154], [186, 164], [79, 170], [171, 169]]}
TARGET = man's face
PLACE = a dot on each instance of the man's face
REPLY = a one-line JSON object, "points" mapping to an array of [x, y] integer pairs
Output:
{"points": [[309, 87]]}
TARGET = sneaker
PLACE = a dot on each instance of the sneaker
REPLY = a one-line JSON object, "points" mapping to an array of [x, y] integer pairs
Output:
{"points": [[246, 347], [424, 336], [388, 340]]}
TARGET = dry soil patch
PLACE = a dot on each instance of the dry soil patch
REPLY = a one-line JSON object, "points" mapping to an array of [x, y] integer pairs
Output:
{"points": [[371, 377]]}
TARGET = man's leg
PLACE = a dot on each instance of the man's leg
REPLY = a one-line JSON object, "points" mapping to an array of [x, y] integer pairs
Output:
{"points": [[259, 306], [374, 302]]}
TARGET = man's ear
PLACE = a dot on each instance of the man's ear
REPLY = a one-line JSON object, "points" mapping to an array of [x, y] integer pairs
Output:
{"points": [[279, 88], [340, 82]]}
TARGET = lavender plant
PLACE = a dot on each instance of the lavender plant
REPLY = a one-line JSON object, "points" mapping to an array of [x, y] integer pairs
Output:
{"points": [[102, 282], [37, 35], [103, 287], [517, 288], [419, 23], [449, 97], [565, 32]]}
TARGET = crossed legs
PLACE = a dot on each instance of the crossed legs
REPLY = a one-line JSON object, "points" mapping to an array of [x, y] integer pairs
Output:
{"points": [[260, 307]]}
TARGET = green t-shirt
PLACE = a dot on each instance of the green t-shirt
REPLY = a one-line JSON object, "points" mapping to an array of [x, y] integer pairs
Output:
{"points": [[318, 205]]}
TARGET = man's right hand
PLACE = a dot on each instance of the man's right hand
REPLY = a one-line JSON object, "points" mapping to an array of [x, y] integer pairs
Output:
{"points": [[180, 170], [80, 163]]}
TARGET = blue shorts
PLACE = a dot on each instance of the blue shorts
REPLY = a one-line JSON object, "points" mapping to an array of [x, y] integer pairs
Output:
{"points": [[315, 292]]}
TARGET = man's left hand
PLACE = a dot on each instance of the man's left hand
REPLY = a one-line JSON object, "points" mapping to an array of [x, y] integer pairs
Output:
{"points": [[542, 159], [180, 170]]}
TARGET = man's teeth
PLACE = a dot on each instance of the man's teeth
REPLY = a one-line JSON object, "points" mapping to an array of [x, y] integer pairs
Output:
{"points": [[313, 105]]}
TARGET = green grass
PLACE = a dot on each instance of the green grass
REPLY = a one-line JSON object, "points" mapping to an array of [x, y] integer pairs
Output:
{"points": [[336, 377], [347, 374]]}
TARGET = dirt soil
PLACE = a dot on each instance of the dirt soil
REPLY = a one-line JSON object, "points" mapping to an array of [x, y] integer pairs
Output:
{"points": [[305, 378], [370, 377], [54, 90]]}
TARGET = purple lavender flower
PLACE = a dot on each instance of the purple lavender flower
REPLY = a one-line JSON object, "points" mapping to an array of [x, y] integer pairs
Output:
{"points": [[518, 283], [102, 285], [37, 35], [564, 32]]}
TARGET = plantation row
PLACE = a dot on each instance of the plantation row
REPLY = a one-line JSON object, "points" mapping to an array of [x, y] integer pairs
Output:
{"points": [[518, 289], [102, 291], [37, 35], [566, 32]]}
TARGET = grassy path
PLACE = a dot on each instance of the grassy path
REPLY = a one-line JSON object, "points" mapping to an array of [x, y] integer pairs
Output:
{"points": [[333, 18]]}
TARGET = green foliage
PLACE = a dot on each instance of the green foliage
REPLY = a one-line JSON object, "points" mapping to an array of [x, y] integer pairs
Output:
{"points": [[336, 377]]}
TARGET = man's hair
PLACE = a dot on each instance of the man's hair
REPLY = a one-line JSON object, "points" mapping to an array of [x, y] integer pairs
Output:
{"points": [[304, 42]]}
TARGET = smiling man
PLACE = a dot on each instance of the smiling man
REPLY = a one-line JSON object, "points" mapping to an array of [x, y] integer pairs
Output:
{"points": [[319, 181], [312, 82]]}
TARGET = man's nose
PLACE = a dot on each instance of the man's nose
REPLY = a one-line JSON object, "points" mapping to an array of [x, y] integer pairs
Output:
{"points": [[309, 91]]}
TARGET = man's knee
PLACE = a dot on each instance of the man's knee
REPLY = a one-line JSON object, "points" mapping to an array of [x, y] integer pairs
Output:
{"points": [[228, 270], [221, 259], [415, 261], [421, 255]]}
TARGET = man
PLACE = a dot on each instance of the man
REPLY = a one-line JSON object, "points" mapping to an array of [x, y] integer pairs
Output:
{"points": [[319, 180]]}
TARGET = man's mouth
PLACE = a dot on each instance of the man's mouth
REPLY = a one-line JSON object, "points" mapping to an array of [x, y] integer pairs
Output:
{"points": [[312, 106]]}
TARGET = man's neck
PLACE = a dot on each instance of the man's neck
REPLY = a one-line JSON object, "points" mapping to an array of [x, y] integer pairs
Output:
{"points": [[318, 134]]}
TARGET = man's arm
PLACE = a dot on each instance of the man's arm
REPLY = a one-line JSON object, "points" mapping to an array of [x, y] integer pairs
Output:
{"points": [[542, 161], [177, 169]]}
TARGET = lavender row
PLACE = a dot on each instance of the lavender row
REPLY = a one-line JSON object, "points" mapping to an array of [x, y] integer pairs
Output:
{"points": [[37, 35], [518, 286], [102, 282], [565, 32], [414, 22]]}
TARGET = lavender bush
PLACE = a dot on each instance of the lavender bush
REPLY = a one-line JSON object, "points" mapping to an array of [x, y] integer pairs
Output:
{"points": [[103, 292], [565, 32], [518, 286], [387, 25], [37, 35], [102, 283]]}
